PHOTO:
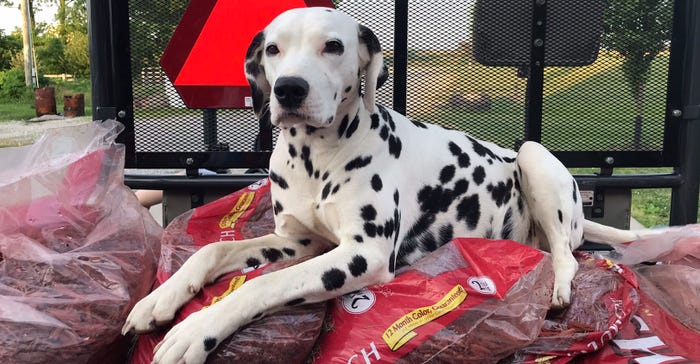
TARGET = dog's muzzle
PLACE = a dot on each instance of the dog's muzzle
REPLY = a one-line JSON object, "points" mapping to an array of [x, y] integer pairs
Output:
{"points": [[291, 91]]}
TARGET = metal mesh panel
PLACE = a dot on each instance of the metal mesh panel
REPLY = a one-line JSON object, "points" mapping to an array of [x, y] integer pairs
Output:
{"points": [[162, 122], [596, 107], [445, 85], [467, 69]]}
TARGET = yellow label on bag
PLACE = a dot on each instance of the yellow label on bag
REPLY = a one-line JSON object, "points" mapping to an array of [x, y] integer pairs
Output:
{"points": [[235, 283], [241, 206], [401, 331]]}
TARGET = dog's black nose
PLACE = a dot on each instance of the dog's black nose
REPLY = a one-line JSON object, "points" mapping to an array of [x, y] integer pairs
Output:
{"points": [[291, 91]]}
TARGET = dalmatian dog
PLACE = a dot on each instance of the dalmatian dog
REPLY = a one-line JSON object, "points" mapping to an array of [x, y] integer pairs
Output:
{"points": [[362, 189]]}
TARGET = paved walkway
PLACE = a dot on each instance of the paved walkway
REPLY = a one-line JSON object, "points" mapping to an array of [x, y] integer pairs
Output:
{"points": [[18, 133]]}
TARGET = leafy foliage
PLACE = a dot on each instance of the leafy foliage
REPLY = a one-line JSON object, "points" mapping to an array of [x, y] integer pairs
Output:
{"points": [[12, 87], [77, 55], [61, 47], [51, 56], [638, 30], [152, 23], [9, 46]]}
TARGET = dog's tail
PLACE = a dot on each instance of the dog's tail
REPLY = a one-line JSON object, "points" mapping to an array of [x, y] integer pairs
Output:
{"points": [[598, 233]]}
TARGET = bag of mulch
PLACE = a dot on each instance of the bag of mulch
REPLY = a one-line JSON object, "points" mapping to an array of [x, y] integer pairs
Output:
{"points": [[286, 336], [77, 250], [470, 301], [604, 298], [666, 326]]}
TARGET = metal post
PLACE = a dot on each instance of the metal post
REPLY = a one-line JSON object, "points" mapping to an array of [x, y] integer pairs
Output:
{"points": [[210, 129], [110, 67], [684, 200], [535, 80], [400, 55]]}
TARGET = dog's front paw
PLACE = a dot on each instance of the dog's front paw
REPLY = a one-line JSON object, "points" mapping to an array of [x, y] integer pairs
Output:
{"points": [[564, 272], [191, 340], [158, 308], [562, 295]]}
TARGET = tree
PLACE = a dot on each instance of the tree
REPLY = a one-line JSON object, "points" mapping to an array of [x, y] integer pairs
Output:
{"points": [[152, 24], [10, 46], [77, 55], [51, 56], [639, 30], [60, 48]]}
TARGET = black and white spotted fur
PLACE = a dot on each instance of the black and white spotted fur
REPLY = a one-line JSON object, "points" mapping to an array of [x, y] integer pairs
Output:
{"points": [[361, 188]]}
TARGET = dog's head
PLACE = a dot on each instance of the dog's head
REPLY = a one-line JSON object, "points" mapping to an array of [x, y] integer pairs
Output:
{"points": [[307, 64]]}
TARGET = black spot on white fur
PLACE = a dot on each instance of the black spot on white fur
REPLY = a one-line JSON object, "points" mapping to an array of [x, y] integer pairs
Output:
{"points": [[271, 254], [447, 173], [501, 192], [252, 262], [278, 180], [376, 183], [358, 163], [469, 210], [305, 156], [209, 344], [277, 208], [368, 213], [352, 128], [507, 230], [343, 125], [358, 266], [479, 175], [333, 279]]}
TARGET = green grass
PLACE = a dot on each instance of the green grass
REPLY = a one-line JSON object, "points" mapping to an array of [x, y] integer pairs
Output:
{"points": [[21, 110], [595, 114], [24, 109]]}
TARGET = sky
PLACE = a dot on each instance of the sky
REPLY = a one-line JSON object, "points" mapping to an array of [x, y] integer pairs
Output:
{"points": [[12, 17]]}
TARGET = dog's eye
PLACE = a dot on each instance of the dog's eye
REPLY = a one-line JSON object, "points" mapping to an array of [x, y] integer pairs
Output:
{"points": [[334, 47], [272, 50]]}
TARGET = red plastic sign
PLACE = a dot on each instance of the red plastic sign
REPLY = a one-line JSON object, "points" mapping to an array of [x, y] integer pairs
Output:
{"points": [[204, 59]]}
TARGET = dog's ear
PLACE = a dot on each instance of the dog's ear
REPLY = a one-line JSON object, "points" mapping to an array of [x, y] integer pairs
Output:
{"points": [[372, 64], [255, 73]]}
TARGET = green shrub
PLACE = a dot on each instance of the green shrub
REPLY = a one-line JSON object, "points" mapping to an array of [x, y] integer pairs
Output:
{"points": [[12, 87]]}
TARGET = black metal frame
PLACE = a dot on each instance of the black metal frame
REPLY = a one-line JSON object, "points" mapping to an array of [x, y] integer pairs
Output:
{"points": [[112, 99]]}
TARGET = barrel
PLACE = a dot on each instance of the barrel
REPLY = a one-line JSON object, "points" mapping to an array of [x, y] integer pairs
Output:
{"points": [[74, 105], [44, 101]]}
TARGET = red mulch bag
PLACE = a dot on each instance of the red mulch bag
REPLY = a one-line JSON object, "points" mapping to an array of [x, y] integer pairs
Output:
{"points": [[666, 326], [284, 337], [77, 250], [470, 301], [244, 214], [604, 298]]}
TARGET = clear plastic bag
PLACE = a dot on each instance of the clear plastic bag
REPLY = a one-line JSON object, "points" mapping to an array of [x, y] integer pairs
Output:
{"points": [[674, 281], [77, 250], [678, 245]]}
